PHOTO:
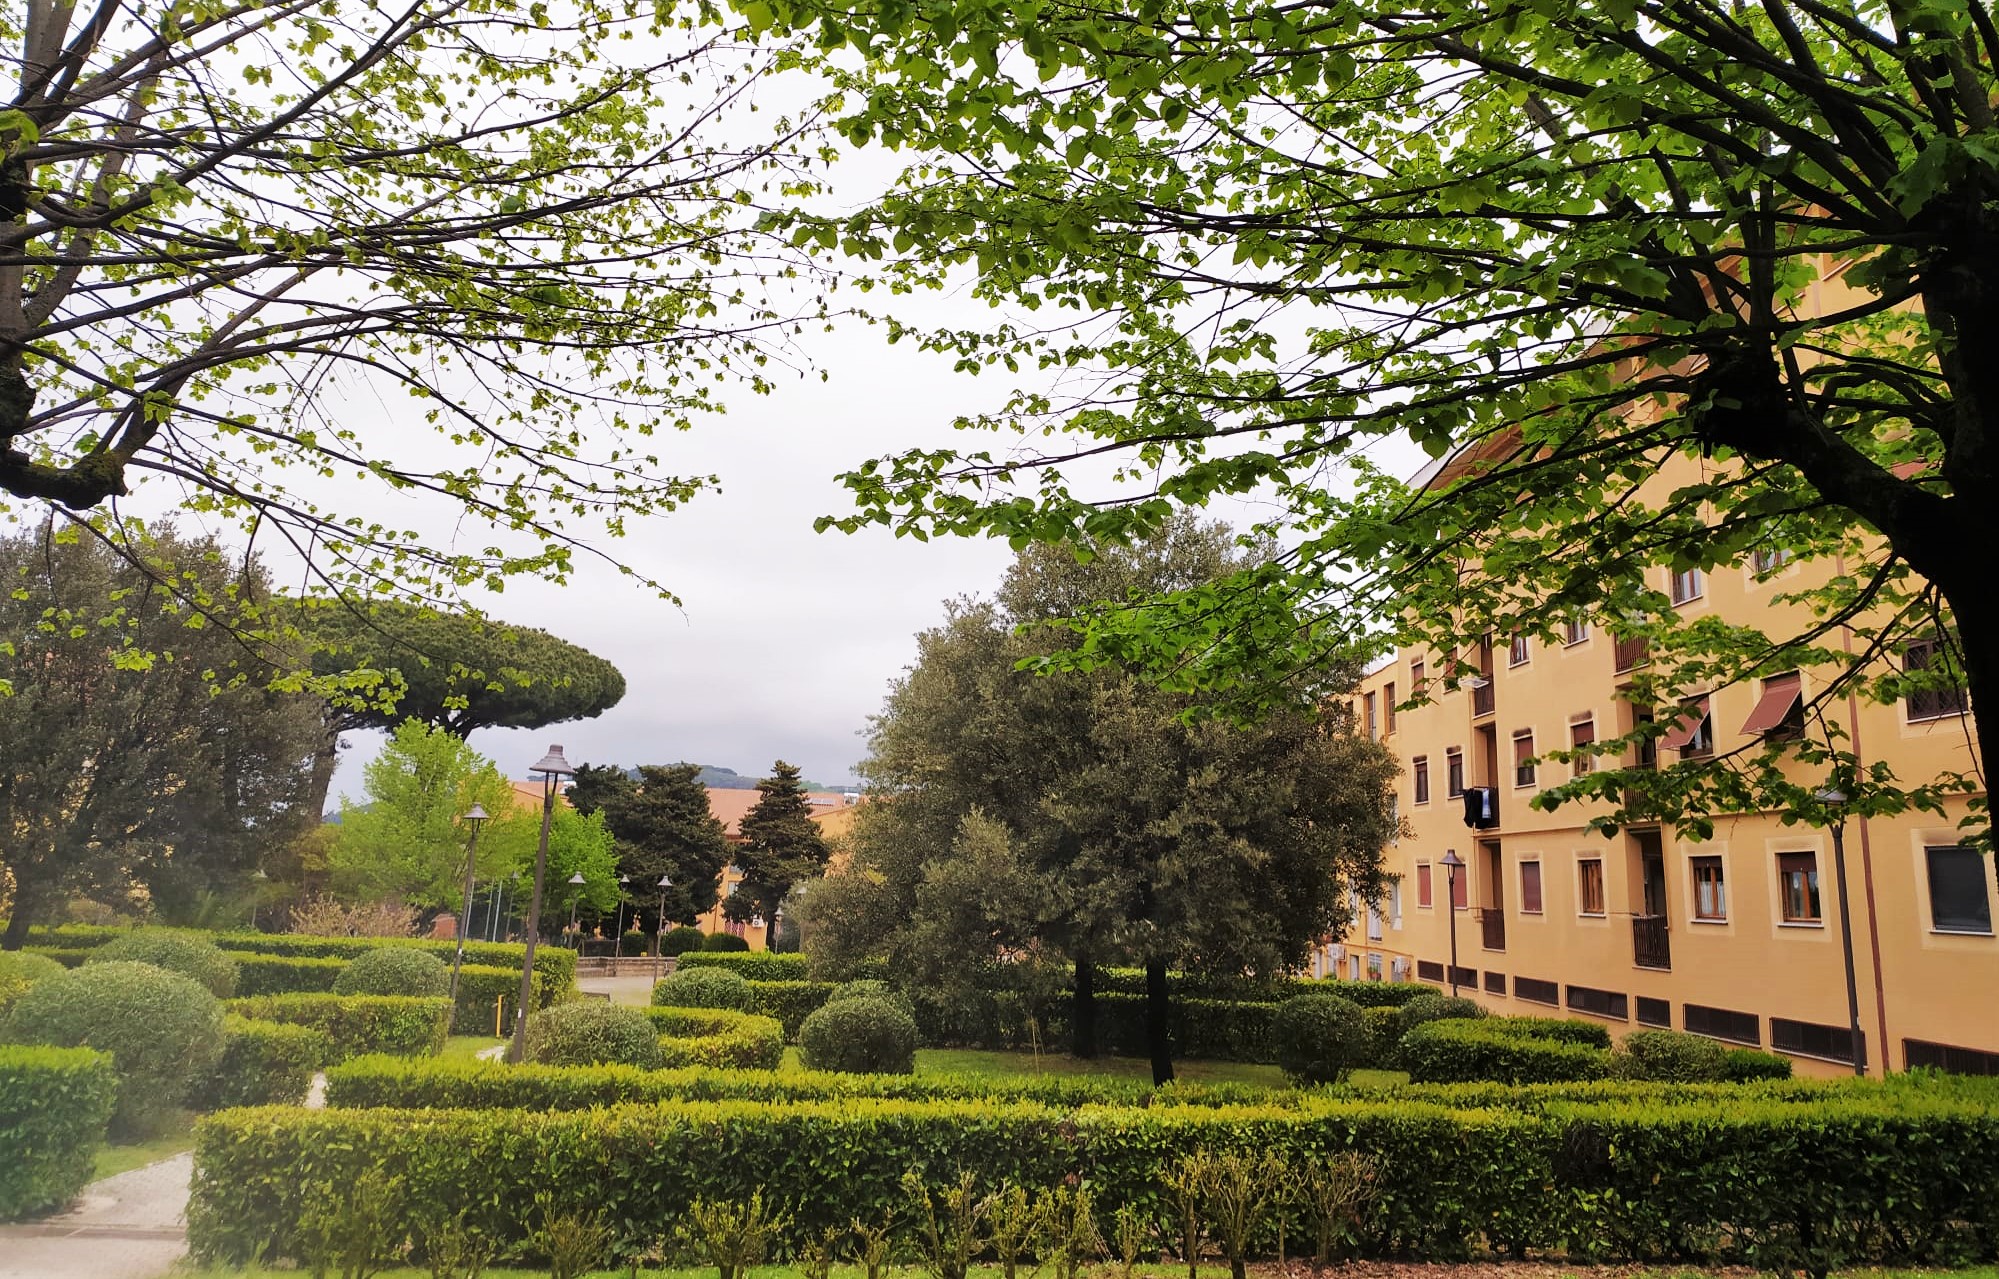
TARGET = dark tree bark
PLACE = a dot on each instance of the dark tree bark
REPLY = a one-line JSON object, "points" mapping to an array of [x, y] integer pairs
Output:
{"points": [[1083, 1010], [17, 924], [1158, 1022]]}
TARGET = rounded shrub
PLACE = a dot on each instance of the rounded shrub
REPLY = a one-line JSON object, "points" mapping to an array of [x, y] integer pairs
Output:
{"points": [[1428, 1008], [703, 988], [1748, 1065], [870, 988], [1673, 1057], [20, 970], [723, 942], [1317, 1039], [634, 943], [189, 954], [678, 941], [593, 1032], [395, 970], [163, 1031], [866, 1035]]}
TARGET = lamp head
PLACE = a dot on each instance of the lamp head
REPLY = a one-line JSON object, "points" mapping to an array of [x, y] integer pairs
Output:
{"points": [[577, 878], [475, 814], [1451, 858], [1831, 798], [553, 764], [665, 882]]}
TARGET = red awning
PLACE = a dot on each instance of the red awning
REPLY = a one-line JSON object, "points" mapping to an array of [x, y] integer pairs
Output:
{"points": [[1693, 713], [1780, 697]]}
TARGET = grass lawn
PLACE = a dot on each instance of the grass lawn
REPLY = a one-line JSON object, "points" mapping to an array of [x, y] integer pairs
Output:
{"points": [[468, 1045], [112, 1160]]}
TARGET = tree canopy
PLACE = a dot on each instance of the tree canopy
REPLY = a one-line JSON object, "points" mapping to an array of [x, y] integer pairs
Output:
{"points": [[145, 758], [1556, 244], [408, 841], [522, 235], [1088, 815], [781, 848], [663, 825]]}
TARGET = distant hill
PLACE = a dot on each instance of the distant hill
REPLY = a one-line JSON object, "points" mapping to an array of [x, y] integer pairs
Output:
{"points": [[714, 775]]}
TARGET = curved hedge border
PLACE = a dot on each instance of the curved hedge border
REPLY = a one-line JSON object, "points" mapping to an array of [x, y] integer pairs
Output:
{"points": [[1894, 1177], [357, 1024], [718, 1037], [55, 1105], [1511, 1050], [754, 965], [263, 1063]]}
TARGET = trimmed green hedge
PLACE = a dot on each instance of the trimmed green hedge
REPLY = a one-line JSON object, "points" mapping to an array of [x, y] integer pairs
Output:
{"points": [[359, 1024], [479, 985], [285, 975], [791, 1002], [55, 1104], [718, 1037], [758, 965], [1885, 1177], [67, 956], [264, 1063], [1511, 1050]]}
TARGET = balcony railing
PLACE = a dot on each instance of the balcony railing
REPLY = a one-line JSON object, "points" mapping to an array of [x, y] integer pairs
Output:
{"points": [[1481, 697], [1649, 946], [1630, 652], [1492, 921]]}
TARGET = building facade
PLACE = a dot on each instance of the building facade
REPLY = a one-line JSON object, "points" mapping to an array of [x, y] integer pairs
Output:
{"points": [[1736, 937]]}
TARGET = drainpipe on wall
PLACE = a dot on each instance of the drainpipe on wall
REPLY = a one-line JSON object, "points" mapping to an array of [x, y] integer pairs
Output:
{"points": [[1880, 1055]]}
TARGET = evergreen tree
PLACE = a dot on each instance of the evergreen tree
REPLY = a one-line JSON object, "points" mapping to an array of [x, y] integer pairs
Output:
{"points": [[663, 825], [781, 847]]}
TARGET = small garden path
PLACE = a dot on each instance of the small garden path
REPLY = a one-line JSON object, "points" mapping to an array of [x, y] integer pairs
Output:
{"points": [[131, 1225]]}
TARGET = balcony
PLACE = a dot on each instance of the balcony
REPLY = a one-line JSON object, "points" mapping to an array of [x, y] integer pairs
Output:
{"points": [[1630, 652], [1481, 697], [1492, 922], [1649, 946]]}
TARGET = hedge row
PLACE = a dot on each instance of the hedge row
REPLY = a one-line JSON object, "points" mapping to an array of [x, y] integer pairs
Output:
{"points": [[1509, 1050], [1887, 1178], [454, 1084], [67, 956], [264, 1063], [757, 965], [357, 1024], [790, 1002], [718, 1037], [55, 1105]]}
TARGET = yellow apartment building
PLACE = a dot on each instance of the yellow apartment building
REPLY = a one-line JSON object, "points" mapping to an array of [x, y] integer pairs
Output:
{"points": [[1736, 937]]}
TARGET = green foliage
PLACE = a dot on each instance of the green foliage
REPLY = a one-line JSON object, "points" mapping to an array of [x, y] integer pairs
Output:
{"points": [[1069, 1225], [662, 825], [407, 841], [55, 1104], [555, 966], [865, 1034], [18, 971], [163, 1031], [1747, 1065], [593, 1032], [1672, 1056], [734, 1236], [872, 988], [286, 975], [190, 954], [263, 1063], [1431, 1006], [949, 1223], [681, 940], [354, 1228], [791, 1002], [1514, 1050], [781, 847], [633, 942], [717, 1037], [480, 987], [571, 1241], [754, 966], [1317, 1039], [702, 988], [1338, 1192], [395, 970], [1238, 1189], [357, 1024], [723, 943]]}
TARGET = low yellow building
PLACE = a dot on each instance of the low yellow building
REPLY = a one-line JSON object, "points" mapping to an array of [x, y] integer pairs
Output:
{"points": [[1736, 937]]}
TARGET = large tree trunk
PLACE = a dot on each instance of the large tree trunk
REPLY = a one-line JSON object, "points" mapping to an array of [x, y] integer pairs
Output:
{"points": [[1083, 1010], [324, 762], [23, 915], [1158, 1022], [1975, 613]]}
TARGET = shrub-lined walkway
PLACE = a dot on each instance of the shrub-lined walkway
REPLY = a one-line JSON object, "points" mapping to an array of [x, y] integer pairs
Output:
{"points": [[131, 1225]]}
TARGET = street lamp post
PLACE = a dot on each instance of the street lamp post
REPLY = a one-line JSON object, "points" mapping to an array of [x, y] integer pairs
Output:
{"points": [[576, 883], [618, 938], [1835, 803], [552, 767], [474, 816], [659, 931], [1452, 864]]}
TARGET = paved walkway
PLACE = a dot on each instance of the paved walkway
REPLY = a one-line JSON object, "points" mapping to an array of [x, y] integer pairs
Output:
{"points": [[131, 1226], [620, 990]]}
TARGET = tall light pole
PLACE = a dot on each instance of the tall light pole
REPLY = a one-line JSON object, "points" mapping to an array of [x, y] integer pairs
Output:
{"points": [[576, 883], [1835, 803], [618, 938], [474, 816], [552, 767], [1452, 864], [659, 933]]}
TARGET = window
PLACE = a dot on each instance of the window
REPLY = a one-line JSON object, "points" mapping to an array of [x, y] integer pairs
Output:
{"points": [[1603, 1003], [1373, 967], [1767, 559], [1425, 894], [1454, 773], [1655, 1012], [1710, 889], [1388, 708], [1395, 904], [1589, 880], [1419, 772], [1809, 1039], [1533, 988], [1460, 880], [1530, 888], [1394, 818], [1575, 633], [1958, 901], [1958, 1061], [1780, 712], [1930, 703], [1517, 654], [1692, 733], [1367, 712], [1495, 983], [1429, 970], [1523, 758], [1798, 887], [1648, 747], [1582, 733], [1416, 681], [1722, 1023], [1688, 584], [1373, 924]]}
